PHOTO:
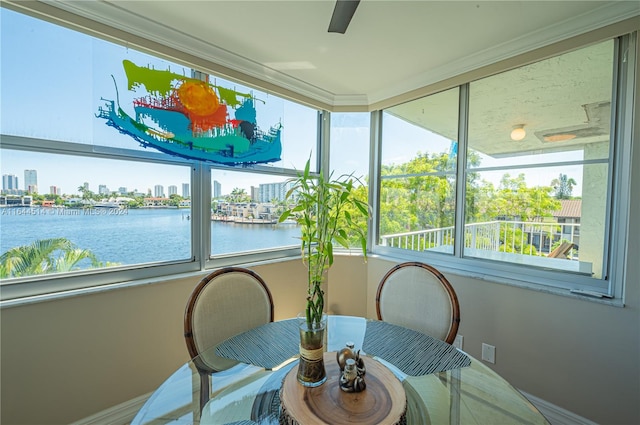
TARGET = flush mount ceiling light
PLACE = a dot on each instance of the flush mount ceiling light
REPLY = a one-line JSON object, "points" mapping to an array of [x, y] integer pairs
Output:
{"points": [[518, 132]]}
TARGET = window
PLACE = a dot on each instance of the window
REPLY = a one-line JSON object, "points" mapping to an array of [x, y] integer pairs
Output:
{"points": [[84, 198], [534, 183], [93, 212], [515, 185], [349, 151], [245, 208], [418, 174]]}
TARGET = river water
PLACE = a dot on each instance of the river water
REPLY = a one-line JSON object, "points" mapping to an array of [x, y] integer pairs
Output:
{"points": [[134, 236]]}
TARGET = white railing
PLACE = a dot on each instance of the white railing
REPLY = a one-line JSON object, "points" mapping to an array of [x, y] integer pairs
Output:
{"points": [[520, 237]]}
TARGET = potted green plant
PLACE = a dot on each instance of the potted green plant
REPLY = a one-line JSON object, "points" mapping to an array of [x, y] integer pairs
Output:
{"points": [[327, 211]]}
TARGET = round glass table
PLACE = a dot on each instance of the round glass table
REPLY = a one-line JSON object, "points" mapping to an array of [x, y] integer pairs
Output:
{"points": [[442, 385]]}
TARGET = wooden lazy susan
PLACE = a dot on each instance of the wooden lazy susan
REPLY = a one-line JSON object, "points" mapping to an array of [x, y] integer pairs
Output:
{"points": [[382, 402]]}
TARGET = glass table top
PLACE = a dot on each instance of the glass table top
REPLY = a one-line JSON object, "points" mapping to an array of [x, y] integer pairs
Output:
{"points": [[249, 394]]}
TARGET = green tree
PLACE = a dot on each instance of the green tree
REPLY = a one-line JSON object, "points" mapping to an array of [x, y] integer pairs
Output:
{"points": [[44, 256], [238, 196], [422, 196], [175, 199], [563, 186], [514, 200], [87, 194]]}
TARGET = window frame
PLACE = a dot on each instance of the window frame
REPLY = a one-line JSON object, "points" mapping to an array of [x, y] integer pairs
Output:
{"points": [[52, 283], [622, 135], [17, 289], [201, 259], [610, 288]]}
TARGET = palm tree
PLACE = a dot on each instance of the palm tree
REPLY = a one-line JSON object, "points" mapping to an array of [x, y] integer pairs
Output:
{"points": [[43, 256], [238, 196], [563, 186]]}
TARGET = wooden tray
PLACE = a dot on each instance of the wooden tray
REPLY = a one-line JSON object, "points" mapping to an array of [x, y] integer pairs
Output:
{"points": [[382, 402]]}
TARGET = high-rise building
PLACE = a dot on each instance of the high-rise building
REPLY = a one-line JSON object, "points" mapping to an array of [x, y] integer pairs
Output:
{"points": [[173, 190], [9, 183], [271, 191], [158, 191], [185, 190], [255, 193], [103, 189], [31, 181], [217, 189], [122, 190], [54, 190]]}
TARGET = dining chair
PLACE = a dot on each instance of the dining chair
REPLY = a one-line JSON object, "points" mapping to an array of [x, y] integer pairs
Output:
{"points": [[417, 296], [226, 302]]}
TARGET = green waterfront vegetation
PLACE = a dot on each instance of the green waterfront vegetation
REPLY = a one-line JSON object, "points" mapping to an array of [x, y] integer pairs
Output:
{"points": [[45, 256]]}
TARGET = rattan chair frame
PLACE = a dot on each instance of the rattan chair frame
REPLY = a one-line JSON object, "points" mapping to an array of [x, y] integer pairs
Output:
{"points": [[455, 306]]}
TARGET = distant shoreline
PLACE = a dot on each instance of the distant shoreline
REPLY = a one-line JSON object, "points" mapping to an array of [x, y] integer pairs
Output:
{"points": [[242, 220]]}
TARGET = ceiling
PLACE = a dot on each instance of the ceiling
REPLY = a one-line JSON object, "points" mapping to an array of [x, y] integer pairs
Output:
{"points": [[389, 48]]}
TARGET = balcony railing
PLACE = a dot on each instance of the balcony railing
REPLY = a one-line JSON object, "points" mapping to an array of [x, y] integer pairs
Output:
{"points": [[518, 237]]}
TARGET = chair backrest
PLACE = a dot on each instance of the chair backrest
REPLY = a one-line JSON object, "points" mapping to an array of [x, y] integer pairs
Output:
{"points": [[417, 296], [225, 303]]}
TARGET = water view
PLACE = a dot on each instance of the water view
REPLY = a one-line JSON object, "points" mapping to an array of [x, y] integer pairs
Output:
{"points": [[130, 236]]}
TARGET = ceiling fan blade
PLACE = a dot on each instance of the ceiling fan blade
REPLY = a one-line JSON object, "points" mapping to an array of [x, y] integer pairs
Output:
{"points": [[342, 14]]}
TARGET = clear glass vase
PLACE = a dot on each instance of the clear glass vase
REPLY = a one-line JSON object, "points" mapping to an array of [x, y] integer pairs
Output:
{"points": [[311, 372]]}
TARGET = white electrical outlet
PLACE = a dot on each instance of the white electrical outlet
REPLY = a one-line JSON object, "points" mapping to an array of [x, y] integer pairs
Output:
{"points": [[458, 342], [488, 353]]}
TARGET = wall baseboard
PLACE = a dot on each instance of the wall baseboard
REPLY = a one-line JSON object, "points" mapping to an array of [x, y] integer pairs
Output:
{"points": [[556, 415], [121, 414]]}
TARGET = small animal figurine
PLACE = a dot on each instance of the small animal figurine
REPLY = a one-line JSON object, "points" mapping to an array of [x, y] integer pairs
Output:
{"points": [[350, 380], [344, 354]]}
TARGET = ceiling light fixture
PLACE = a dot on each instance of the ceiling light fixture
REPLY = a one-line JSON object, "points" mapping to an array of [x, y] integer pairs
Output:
{"points": [[518, 132]]}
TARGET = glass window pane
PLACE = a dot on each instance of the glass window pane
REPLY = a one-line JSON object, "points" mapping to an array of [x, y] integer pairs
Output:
{"points": [[349, 153], [418, 175], [245, 208], [113, 212], [64, 88], [539, 156], [63, 81], [350, 135]]}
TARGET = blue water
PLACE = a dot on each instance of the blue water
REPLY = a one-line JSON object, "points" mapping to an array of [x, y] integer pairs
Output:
{"points": [[136, 235]]}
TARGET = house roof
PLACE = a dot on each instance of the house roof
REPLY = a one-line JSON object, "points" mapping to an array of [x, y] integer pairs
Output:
{"points": [[570, 208]]}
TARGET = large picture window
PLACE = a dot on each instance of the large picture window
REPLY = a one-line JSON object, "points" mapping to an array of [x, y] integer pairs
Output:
{"points": [[85, 189], [534, 184], [74, 213]]}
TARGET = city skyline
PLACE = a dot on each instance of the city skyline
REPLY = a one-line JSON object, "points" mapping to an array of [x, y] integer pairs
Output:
{"points": [[261, 192], [68, 173]]}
